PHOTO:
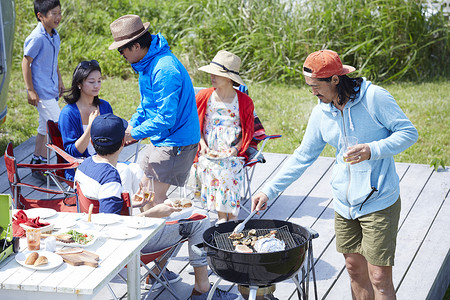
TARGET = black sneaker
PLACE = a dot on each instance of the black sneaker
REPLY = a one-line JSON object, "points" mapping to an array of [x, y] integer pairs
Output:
{"points": [[39, 175]]}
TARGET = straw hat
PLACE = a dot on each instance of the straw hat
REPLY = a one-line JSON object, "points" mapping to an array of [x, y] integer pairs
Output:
{"points": [[126, 29], [225, 64], [324, 64]]}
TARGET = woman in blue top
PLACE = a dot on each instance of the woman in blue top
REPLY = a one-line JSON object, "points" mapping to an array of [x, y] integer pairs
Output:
{"points": [[83, 105]]}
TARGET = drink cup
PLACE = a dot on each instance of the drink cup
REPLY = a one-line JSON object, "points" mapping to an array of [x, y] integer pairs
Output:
{"points": [[33, 239], [348, 142]]}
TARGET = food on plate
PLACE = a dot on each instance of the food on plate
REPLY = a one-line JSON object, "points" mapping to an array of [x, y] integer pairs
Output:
{"points": [[181, 203], [31, 259], [63, 237], [215, 154], [243, 249], [42, 260], [80, 238]]}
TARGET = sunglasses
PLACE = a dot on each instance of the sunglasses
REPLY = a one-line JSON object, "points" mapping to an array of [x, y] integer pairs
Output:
{"points": [[121, 49], [85, 64]]}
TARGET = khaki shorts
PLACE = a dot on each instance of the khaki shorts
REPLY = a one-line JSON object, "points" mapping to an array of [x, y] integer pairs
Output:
{"points": [[373, 236], [169, 165], [48, 110]]}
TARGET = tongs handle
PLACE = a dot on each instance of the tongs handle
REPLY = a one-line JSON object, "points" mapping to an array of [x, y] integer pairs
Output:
{"points": [[241, 226]]}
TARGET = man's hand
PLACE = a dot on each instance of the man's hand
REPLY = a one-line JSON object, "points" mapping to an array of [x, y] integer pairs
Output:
{"points": [[33, 98], [128, 137], [259, 201], [61, 88], [357, 154], [163, 210]]}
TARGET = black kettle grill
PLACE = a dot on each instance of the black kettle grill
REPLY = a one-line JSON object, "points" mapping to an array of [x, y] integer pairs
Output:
{"points": [[261, 270]]}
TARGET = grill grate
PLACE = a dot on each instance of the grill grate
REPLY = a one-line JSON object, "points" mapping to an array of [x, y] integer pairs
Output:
{"points": [[293, 240]]}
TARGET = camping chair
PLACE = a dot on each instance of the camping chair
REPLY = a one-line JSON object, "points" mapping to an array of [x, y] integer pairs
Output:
{"points": [[84, 203], [162, 257], [55, 143], [66, 203], [255, 157]]}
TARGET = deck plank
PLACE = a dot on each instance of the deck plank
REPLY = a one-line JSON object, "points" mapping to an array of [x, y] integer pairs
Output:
{"points": [[422, 257]]}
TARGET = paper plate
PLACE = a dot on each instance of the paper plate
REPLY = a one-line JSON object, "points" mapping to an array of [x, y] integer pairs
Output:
{"points": [[64, 223], [40, 212], [105, 219], [54, 260], [94, 238], [140, 222], [122, 234]]}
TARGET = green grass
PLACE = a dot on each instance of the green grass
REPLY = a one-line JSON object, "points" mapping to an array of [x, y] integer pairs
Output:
{"points": [[282, 109], [387, 40]]}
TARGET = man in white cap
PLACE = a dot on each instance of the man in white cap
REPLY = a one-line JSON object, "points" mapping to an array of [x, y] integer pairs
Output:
{"points": [[167, 114], [366, 193]]}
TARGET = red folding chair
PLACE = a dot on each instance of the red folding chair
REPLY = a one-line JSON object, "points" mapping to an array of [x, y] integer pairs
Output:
{"points": [[162, 257], [84, 203], [55, 143], [67, 201], [249, 166]]}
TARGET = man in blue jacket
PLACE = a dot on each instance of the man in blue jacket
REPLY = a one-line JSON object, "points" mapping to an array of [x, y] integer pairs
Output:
{"points": [[167, 113], [365, 184]]}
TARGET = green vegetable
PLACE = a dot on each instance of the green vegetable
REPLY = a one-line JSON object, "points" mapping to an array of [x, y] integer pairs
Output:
{"points": [[80, 238]]}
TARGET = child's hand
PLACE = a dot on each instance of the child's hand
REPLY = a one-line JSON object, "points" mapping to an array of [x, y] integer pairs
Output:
{"points": [[33, 98]]}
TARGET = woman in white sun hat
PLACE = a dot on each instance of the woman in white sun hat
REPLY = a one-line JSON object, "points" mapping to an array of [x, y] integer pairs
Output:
{"points": [[227, 125]]}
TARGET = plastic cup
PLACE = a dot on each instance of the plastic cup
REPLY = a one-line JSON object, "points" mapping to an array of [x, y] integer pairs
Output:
{"points": [[348, 142], [33, 239]]}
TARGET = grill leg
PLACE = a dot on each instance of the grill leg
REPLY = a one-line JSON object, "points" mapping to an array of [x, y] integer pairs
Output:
{"points": [[300, 291], [252, 294], [213, 289]]}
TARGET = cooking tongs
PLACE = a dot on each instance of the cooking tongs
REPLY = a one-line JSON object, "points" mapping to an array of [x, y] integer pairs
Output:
{"points": [[241, 225]]}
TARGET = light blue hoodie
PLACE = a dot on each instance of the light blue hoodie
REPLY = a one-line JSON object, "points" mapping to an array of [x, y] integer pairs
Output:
{"points": [[375, 119], [168, 111]]}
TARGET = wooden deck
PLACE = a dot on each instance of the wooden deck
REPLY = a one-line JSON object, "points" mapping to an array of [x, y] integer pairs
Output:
{"points": [[422, 267]]}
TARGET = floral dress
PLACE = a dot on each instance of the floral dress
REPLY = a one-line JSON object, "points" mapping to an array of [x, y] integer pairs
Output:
{"points": [[221, 179]]}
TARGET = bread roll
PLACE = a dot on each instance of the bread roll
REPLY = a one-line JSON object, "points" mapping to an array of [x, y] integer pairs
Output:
{"points": [[186, 203], [42, 260], [31, 258]]}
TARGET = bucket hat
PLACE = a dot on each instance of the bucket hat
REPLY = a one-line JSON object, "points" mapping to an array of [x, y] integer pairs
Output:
{"points": [[225, 64], [126, 29], [324, 64], [108, 130]]}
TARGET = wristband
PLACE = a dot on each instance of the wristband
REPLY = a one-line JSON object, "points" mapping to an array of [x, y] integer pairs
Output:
{"points": [[237, 150]]}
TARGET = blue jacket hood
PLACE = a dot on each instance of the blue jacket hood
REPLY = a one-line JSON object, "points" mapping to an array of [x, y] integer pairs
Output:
{"points": [[158, 46]]}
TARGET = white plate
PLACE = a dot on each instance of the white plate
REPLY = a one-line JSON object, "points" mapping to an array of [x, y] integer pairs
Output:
{"points": [[64, 223], [54, 260], [219, 157], [40, 212], [105, 219], [140, 222], [122, 234], [94, 234]]}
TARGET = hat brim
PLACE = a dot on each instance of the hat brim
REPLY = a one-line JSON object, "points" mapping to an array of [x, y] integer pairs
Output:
{"points": [[118, 44], [347, 69], [215, 70]]}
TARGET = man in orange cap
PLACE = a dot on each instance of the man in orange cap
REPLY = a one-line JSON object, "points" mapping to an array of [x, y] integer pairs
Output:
{"points": [[366, 193]]}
